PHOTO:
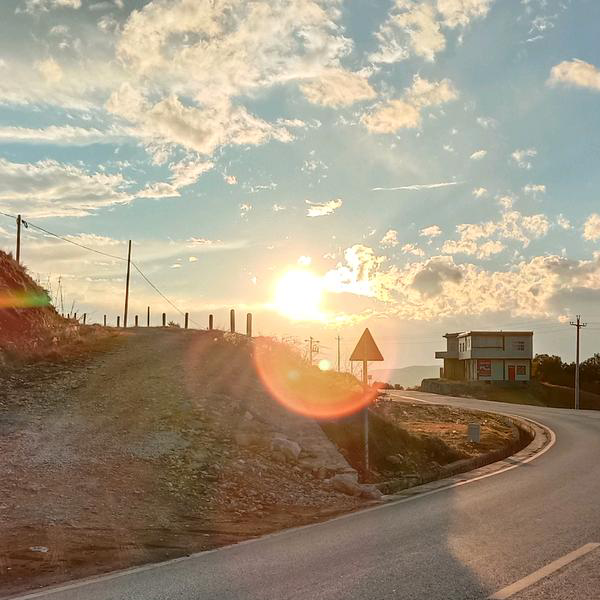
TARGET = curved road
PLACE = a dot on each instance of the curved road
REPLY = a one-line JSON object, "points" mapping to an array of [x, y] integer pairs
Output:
{"points": [[465, 542]]}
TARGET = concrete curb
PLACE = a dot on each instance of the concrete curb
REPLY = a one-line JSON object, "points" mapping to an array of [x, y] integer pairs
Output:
{"points": [[461, 471]]}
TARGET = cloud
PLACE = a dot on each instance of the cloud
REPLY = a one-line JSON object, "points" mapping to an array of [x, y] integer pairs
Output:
{"points": [[520, 157], [390, 239], [35, 6], [563, 222], [474, 238], [591, 228], [158, 190], [410, 27], [405, 112], [462, 12], [417, 186], [431, 232], [412, 249], [478, 155], [189, 64], [415, 27], [62, 135], [51, 189], [230, 179], [480, 192], [438, 287], [534, 188], [50, 70], [337, 87], [575, 73], [321, 209]]}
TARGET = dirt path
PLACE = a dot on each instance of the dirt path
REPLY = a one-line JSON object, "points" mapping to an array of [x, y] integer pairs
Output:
{"points": [[126, 457]]}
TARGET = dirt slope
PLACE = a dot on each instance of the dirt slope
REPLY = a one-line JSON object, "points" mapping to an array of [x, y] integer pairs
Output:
{"points": [[131, 455]]}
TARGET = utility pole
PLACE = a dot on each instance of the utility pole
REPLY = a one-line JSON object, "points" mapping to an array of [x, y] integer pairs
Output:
{"points": [[579, 325], [311, 345], [338, 350], [18, 238], [127, 286], [366, 416]]}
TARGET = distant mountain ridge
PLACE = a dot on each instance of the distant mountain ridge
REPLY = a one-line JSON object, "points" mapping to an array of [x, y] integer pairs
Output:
{"points": [[406, 376]]}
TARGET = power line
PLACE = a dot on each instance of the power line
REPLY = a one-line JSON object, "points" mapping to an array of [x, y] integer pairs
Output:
{"points": [[69, 241]]}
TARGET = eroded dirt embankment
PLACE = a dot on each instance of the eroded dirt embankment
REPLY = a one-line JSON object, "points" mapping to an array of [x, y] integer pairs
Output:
{"points": [[156, 447]]}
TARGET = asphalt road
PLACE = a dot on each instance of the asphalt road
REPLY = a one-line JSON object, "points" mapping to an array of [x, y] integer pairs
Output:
{"points": [[465, 542]]}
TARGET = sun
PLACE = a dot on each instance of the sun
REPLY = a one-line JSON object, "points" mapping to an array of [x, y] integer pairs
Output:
{"points": [[298, 296]]}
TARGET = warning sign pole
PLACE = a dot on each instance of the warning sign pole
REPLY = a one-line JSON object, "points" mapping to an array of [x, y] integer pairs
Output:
{"points": [[366, 350], [366, 417]]}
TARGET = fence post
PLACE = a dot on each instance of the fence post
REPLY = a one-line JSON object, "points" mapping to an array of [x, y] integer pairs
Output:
{"points": [[249, 325], [118, 320], [104, 320], [232, 320], [210, 322], [148, 318], [136, 320], [187, 316], [75, 316], [164, 319], [84, 317]]}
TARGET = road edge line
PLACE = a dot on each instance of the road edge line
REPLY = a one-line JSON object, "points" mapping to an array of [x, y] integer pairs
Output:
{"points": [[542, 573]]}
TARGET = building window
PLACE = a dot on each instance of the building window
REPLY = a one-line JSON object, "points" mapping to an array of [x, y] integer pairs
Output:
{"points": [[519, 345], [521, 370]]}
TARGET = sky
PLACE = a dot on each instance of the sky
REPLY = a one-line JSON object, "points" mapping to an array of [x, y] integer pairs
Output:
{"points": [[414, 167]]}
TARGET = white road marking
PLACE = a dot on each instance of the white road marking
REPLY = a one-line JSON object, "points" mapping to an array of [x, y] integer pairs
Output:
{"points": [[520, 585], [124, 572]]}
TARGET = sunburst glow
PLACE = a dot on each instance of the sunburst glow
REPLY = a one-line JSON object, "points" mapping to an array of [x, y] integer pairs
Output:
{"points": [[298, 295]]}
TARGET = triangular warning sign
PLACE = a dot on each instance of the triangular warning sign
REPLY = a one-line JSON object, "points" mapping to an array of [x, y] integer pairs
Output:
{"points": [[366, 349]]}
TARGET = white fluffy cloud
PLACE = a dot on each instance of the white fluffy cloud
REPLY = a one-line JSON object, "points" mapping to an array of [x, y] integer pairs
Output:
{"points": [[49, 188], [478, 155], [439, 287], [189, 63], [337, 87], [35, 6], [534, 188], [475, 238], [390, 239], [575, 73], [416, 27], [406, 111], [591, 228], [480, 192], [521, 157], [322, 209], [431, 231]]}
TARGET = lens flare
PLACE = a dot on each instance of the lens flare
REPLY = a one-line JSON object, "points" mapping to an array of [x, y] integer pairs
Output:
{"points": [[307, 390], [23, 300]]}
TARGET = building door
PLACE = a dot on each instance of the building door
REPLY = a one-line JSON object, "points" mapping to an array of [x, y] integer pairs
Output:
{"points": [[511, 372]]}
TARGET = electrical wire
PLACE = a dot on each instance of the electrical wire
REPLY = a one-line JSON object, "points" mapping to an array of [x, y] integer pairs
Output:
{"points": [[114, 256]]}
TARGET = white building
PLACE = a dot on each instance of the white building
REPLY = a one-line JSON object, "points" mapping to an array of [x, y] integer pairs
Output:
{"points": [[488, 355]]}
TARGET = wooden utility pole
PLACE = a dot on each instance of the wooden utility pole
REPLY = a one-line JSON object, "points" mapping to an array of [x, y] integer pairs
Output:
{"points": [[338, 350], [164, 319], [579, 325], [210, 322], [249, 325], [148, 317], [118, 321], [136, 320], [104, 320], [232, 320], [187, 316], [127, 285], [18, 238]]}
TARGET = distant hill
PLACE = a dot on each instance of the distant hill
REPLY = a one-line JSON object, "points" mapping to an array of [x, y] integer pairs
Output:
{"points": [[407, 376]]}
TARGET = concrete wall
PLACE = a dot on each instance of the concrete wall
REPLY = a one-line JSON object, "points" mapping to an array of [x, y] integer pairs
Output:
{"points": [[479, 347]]}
